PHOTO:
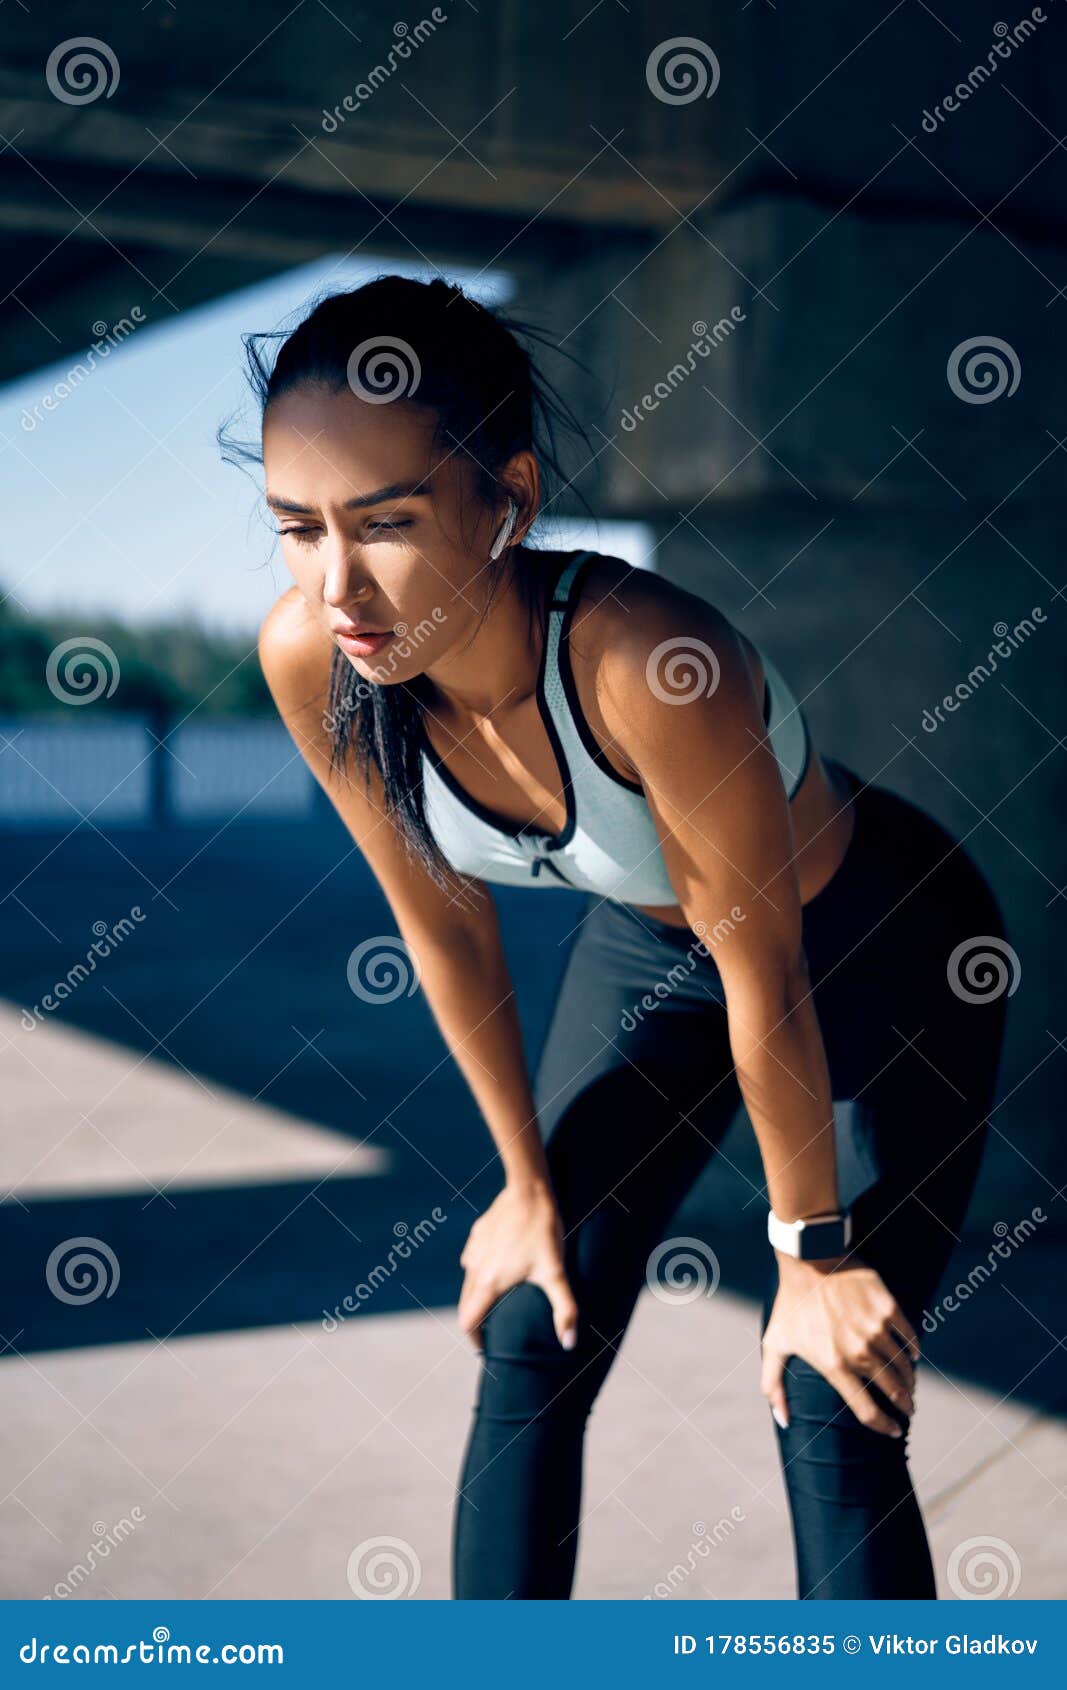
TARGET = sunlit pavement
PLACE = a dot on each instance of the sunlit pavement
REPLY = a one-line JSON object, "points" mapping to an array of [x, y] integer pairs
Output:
{"points": [[253, 1462]]}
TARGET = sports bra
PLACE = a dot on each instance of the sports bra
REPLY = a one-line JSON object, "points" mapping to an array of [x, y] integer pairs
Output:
{"points": [[609, 844]]}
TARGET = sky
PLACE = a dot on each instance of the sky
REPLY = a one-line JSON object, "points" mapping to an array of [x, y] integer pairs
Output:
{"points": [[124, 506]]}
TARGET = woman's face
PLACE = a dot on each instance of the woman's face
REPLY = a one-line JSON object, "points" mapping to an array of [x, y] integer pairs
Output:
{"points": [[371, 531]]}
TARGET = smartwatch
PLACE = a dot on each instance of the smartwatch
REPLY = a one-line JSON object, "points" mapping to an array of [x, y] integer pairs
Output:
{"points": [[813, 1237]]}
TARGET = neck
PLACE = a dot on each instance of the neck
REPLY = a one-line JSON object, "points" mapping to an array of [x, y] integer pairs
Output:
{"points": [[495, 668]]}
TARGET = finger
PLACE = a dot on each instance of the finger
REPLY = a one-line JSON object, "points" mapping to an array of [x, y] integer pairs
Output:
{"points": [[476, 1299], [470, 1327], [772, 1384], [564, 1308], [892, 1368], [889, 1381], [899, 1319], [897, 1350], [853, 1387], [904, 1356]]}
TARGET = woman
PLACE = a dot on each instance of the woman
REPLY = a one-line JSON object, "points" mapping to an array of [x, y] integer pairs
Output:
{"points": [[757, 925]]}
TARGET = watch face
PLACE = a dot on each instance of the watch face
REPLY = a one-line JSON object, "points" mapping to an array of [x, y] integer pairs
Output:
{"points": [[824, 1238]]}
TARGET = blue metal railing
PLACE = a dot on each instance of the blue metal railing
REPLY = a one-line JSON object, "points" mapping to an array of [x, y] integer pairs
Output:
{"points": [[131, 770]]}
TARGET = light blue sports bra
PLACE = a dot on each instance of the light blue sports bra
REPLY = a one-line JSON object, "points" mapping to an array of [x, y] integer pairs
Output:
{"points": [[609, 844]]}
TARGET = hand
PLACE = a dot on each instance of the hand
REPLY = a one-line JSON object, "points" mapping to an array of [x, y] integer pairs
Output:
{"points": [[839, 1316], [520, 1236]]}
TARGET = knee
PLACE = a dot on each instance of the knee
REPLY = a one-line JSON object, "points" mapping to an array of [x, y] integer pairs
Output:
{"points": [[831, 1455], [526, 1374], [519, 1328]]}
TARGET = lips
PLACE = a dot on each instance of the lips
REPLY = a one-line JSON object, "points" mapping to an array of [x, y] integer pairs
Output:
{"points": [[359, 630], [364, 645]]}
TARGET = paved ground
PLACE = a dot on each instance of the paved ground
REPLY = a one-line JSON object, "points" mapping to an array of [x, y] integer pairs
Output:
{"points": [[249, 1139], [252, 1462]]}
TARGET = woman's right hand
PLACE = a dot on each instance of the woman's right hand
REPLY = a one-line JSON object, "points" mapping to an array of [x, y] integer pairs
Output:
{"points": [[519, 1237]]}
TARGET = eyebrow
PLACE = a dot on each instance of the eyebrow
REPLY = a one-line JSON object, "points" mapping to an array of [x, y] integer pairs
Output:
{"points": [[396, 490]]}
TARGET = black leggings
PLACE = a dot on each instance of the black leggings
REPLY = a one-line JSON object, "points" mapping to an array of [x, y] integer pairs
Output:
{"points": [[633, 1100]]}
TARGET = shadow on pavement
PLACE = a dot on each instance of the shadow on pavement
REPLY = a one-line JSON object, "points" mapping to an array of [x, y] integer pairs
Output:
{"points": [[238, 974]]}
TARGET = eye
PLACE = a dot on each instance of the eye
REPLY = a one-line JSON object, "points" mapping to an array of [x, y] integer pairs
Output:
{"points": [[303, 536], [387, 527]]}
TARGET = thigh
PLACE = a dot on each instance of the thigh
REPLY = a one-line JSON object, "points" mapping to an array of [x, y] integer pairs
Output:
{"points": [[894, 945], [634, 1089]]}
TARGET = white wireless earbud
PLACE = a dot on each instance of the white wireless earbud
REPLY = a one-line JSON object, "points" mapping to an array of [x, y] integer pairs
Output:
{"points": [[505, 531]]}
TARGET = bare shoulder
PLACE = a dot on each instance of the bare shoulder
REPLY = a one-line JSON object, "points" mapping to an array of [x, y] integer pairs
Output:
{"points": [[295, 653], [289, 629], [296, 656], [617, 596], [651, 646], [633, 625]]}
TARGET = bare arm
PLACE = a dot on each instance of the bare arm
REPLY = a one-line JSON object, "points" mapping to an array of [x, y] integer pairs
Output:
{"points": [[715, 791], [457, 947]]}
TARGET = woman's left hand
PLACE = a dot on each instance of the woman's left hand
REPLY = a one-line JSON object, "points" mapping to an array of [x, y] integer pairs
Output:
{"points": [[839, 1316]]}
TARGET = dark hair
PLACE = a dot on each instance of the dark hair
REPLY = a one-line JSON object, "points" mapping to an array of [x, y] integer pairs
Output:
{"points": [[435, 345]]}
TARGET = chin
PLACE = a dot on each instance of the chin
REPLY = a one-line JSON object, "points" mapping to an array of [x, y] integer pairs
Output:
{"points": [[382, 674]]}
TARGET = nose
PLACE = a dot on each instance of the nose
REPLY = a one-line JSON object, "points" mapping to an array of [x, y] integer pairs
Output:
{"points": [[343, 586]]}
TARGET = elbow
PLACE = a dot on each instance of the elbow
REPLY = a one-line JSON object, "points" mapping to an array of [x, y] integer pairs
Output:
{"points": [[764, 998], [797, 975], [794, 984]]}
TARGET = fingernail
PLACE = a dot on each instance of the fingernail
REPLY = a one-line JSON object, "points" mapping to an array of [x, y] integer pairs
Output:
{"points": [[896, 1432], [780, 1420], [568, 1340]]}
